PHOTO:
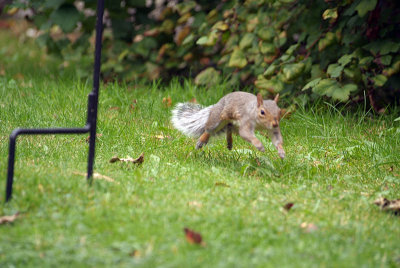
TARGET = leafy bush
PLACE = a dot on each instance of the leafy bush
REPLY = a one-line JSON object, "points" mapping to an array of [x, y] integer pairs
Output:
{"points": [[343, 50]]}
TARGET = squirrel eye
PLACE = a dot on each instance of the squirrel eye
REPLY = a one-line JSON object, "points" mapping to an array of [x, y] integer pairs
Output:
{"points": [[262, 112]]}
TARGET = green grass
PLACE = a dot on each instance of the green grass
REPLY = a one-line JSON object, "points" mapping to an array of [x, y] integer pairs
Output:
{"points": [[337, 163]]}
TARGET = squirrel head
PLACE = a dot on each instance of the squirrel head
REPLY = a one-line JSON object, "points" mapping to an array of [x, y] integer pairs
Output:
{"points": [[268, 112]]}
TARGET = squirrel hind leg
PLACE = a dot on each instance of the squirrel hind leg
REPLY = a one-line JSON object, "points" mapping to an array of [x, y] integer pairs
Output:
{"points": [[202, 140], [229, 140]]}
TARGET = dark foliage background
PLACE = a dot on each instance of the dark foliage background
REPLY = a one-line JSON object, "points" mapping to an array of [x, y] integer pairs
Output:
{"points": [[341, 50]]}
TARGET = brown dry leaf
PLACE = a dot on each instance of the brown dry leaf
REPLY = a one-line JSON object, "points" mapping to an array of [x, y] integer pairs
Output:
{"points": [[2, 71], [195, 204], [388, 205], [188, 57], [152, 32], [9, 219], [133, 105], [193, 100], [167, 101], [205, 61], [135, 253], [19, 76], [162, 137], [138, 38], [138, 160], [113, 108], [97, 176], [309, 227], [223, 184], [288, 206], [40, 188], [181, 35], [193, 237]]}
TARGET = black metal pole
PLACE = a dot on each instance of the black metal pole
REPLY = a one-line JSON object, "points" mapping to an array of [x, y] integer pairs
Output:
{"points": [[94, 95], [21, 131], [93, 99]]}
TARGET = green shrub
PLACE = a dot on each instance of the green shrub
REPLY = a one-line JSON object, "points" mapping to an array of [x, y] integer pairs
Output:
{"points": [[342, 50]]}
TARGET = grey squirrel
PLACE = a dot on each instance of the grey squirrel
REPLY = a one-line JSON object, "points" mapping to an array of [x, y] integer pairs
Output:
{"points": [[237, 112]]}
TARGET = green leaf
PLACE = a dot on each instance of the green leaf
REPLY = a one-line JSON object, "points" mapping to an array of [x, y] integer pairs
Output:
{"points": [[389, 47], [66, 16], [266, 33], [270, 71], [292, 48], [365, 6], [325, 42], [330, 14], [208, 77], [311, 84], [325, 87], [342, 93], [345, 59], [267, 48], [397, 119], [292, 71], [220, 25], [366, 60], [331, 88], [53, 4], [202, 40], [379, 80], [386, 60], [383, 47], [335, 70], [246, 41], [238, 59], [274, 84]]}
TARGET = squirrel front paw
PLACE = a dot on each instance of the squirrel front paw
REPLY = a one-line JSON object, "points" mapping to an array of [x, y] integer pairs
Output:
{"points": [[261, 148], [281, 152], [200, 144]]}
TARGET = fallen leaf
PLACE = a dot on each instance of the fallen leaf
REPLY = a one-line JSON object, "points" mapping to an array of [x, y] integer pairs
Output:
{"points": [[167, 101], [113, 108], [9, 219], [19, 76], [138, 160], [97, 176], [40, 188], [161, 137], [388, 205], [288, 206], [309, 227], [193, 100], [195, 204], [2, 71], [223, 184], [193, 237], [135, 253]]}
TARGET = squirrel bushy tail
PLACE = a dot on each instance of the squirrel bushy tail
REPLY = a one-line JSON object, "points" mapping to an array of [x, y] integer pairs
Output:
{"points": [[190, 118]]}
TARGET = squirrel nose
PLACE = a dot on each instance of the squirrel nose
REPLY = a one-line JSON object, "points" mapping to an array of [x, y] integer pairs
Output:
{"points": [[275, 124]]}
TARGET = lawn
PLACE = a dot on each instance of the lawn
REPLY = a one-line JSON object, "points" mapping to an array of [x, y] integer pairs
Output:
{"points": [[337, 163]]}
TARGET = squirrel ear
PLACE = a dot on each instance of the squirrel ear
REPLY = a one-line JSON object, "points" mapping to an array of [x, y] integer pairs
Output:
{"points": [[276, 99], [260, 100]]}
